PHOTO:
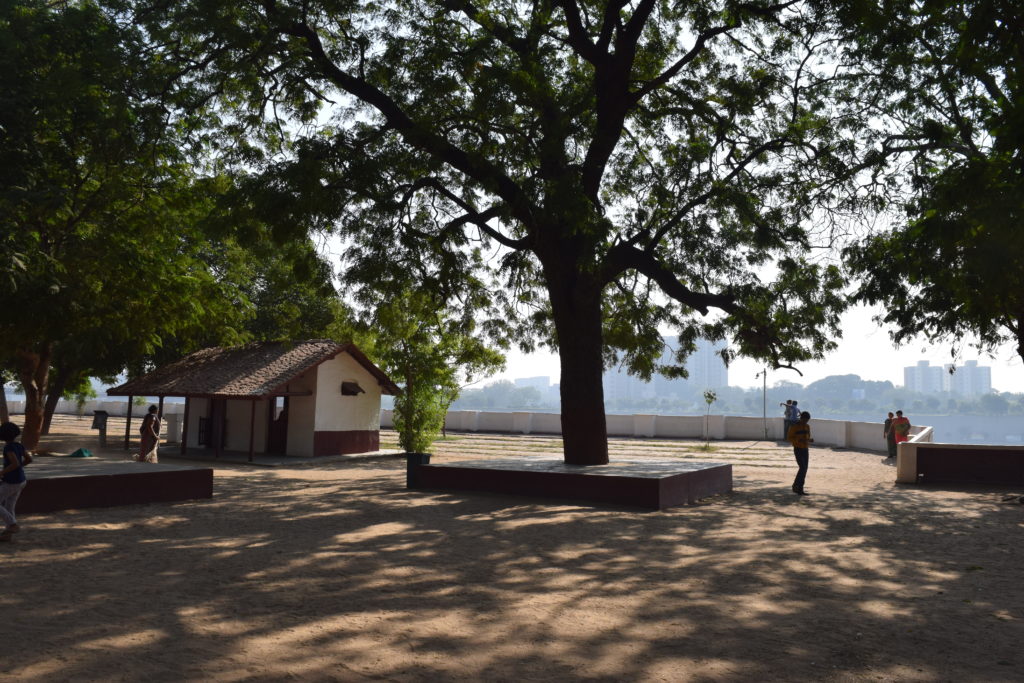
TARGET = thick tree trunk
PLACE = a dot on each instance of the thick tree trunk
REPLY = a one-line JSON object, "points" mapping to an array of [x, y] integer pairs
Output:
{"points": [[59, 384], [5, 413], [33, 371], [577, 314]]}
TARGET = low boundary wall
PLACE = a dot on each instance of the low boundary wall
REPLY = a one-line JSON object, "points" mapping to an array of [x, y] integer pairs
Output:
{"points": [[865, 436]]}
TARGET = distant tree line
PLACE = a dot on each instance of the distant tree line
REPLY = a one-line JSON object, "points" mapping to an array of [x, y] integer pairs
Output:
{"points": [[833, 395]]}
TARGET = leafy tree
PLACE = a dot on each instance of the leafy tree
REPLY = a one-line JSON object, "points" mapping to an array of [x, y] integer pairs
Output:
{"points": [[430, 352], [122, 259], [621, 166], [953, 73], [82, 189], [994, 404]]}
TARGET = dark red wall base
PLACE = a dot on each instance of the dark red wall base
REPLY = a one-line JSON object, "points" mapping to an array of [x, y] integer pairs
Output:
{"points": [[344, 443], [961, 465], [655, 493], [109, 490]]}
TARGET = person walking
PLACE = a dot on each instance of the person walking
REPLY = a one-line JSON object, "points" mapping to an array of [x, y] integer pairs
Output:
{"points": [[890, 436], [12, 477], [150, 431], [800, 436]]}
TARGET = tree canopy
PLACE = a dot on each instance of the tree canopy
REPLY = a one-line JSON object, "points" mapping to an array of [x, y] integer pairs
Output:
{"points": [[955, 79], [117, 253], [619, 167]]}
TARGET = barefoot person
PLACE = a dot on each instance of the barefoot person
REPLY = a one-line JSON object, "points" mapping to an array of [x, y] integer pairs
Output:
{"points": [[12, 477], [800, 436]]}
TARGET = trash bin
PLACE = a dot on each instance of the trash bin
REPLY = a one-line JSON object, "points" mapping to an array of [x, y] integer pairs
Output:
{"points": [[99, 421], [412, 467]]}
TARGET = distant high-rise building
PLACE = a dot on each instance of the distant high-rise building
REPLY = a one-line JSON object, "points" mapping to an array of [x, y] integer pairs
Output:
{"points": [[969, 379], [706, 368], [924, 378]]}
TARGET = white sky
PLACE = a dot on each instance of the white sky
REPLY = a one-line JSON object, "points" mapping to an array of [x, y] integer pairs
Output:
{"points": [[864, 350]]}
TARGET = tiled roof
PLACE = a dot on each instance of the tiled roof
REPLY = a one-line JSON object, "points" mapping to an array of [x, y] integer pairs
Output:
{"points": [[256, 369]]}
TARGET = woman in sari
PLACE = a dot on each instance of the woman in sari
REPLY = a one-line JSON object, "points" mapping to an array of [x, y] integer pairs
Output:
{"points": [[150, 431]]}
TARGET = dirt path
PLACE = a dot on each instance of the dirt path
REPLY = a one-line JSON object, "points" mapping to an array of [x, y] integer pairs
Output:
{"points": [[337, 572]]}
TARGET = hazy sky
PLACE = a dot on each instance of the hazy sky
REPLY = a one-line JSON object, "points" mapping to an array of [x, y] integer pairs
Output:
{"points": [[864, 350]]}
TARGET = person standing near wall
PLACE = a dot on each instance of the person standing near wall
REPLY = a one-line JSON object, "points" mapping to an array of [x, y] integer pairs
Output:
{"points": [[890, 436], [901, 427], [800, 436], [786, 421], [794, 416]]}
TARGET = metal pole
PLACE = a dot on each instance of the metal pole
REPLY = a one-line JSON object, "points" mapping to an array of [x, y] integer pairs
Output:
{"points": [[764, 401]]}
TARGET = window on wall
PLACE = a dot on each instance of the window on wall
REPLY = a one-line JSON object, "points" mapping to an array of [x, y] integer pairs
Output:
{"points": [[351, 388]]}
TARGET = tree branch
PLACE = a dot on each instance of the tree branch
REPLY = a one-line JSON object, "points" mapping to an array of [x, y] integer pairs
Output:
{"points": [[490, 178], [623, 257]]}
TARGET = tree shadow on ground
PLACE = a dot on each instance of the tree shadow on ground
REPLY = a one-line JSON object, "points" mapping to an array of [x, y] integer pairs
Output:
{"points": [[360, 578]]}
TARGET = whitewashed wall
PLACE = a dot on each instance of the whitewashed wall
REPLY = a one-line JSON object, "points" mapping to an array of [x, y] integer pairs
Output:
{"points": [[855, 435], [862, 436], [337, 413]]}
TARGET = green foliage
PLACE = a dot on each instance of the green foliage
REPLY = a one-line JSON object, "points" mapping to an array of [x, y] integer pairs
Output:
{"points": [[430, 351], [120, 254], [575, 177], [955, 269], [419, 417]]}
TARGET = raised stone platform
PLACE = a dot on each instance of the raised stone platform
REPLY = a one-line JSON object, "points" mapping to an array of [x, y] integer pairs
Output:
{"points": [[64, 483], [641, 482]]}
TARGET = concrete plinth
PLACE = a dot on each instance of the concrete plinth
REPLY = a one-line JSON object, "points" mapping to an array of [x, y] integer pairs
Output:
{"points": [[647, 483], [62, 483]]}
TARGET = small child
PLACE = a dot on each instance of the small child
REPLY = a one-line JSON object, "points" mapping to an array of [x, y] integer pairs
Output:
{"points": [[12, 477]]}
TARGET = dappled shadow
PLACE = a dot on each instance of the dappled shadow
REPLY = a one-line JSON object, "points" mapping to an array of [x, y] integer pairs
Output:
{"points": [[358, 577]]}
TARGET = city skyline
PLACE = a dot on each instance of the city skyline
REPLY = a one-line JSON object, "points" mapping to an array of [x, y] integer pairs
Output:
{"points": [[865, 350]]}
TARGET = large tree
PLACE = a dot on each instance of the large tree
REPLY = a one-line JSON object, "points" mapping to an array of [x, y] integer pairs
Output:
{"points": [[118, 256], [954, 86], [623, 166]]}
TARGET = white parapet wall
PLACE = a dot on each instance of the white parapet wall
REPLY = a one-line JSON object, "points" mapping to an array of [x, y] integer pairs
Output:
{"points": [[86, 409], [861, 436]]}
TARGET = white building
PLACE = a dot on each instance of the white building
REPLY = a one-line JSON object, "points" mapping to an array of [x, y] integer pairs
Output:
{"points": [[705, 366], [969, 379], [303, 398], [924, 378]]}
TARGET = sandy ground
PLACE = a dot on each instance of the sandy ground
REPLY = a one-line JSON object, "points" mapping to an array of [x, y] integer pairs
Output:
{"points": [[336, 572]]}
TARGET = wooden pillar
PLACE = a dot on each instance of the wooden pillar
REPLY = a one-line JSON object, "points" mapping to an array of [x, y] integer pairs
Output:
{"points": [[184, 427], [219, 414], [252, 429], [128, 424], [160, 416]]}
